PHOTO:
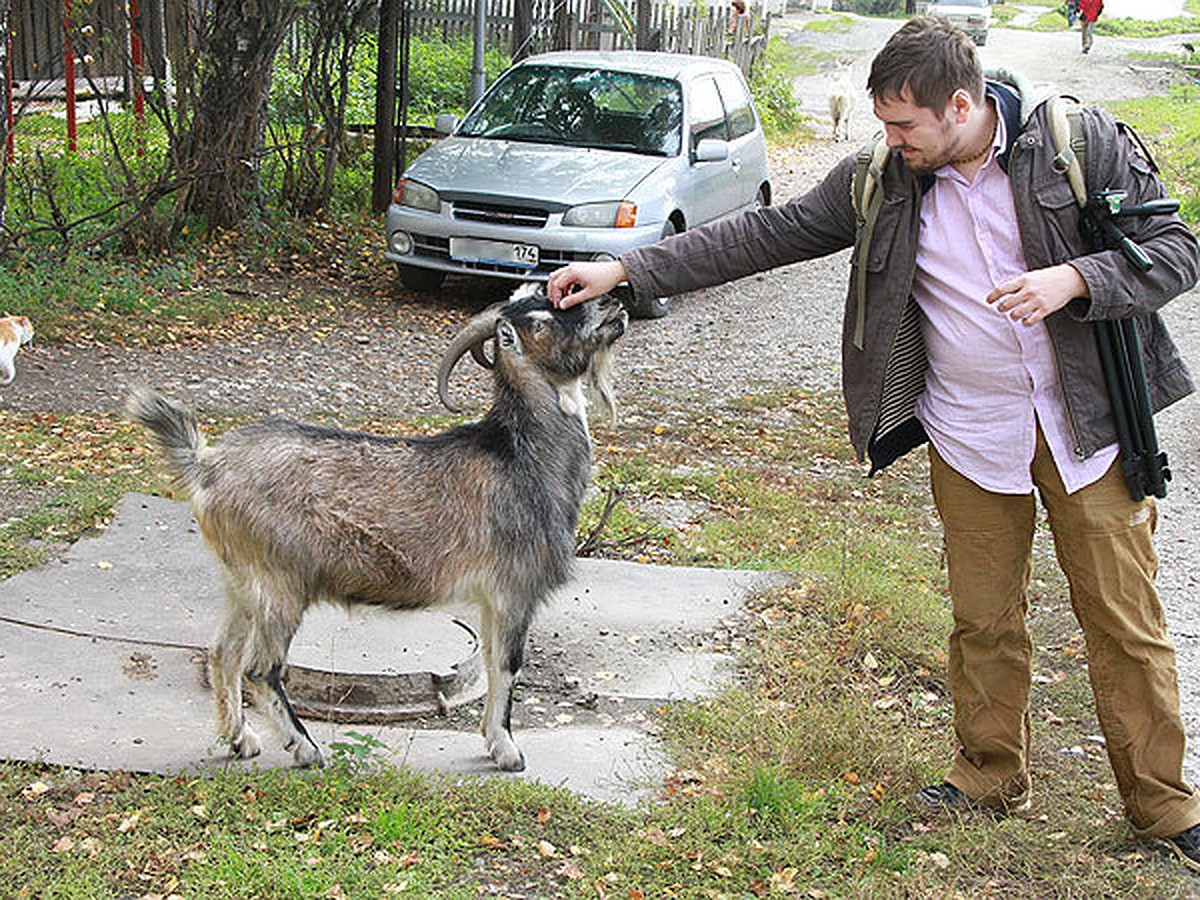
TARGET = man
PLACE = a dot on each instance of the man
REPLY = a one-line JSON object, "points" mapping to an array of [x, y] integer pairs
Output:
{"points": [[1089, 13], [975, 332]]}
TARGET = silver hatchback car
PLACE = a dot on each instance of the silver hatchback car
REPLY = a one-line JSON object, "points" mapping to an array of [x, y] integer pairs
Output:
{"points": [[579, 155]]}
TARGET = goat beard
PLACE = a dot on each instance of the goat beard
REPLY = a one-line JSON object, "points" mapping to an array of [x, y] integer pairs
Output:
{"points": [[600, 382]]}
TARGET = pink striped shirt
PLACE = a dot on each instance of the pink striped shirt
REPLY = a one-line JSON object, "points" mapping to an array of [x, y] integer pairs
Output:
{"points": [[991, 380]]}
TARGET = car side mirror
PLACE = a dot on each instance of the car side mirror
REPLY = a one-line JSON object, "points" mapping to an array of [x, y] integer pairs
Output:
{"points": [[446, 123], [711, 150]]}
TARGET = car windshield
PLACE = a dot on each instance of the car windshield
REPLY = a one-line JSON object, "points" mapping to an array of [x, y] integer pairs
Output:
{"points": [[583, 108]]}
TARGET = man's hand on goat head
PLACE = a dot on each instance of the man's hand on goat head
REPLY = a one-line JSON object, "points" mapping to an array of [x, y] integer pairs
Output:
{"points": [[582, 281]]}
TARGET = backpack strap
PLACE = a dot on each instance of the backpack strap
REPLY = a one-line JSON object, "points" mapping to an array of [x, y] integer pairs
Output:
{"points": [[1066, 131], [866, 195]]}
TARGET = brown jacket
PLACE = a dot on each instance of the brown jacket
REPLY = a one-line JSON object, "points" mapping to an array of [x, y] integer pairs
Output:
{"points": [[882, 380]]}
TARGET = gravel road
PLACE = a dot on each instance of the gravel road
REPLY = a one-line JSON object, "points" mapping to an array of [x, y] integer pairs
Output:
{"points": [[780, 327]]}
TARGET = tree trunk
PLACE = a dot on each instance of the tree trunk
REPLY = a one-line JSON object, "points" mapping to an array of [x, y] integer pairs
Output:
{"points": [[223, 150]]}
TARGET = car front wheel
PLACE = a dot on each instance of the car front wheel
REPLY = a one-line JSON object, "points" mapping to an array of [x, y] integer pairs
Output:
{"points": [[417, 279], [655, 307]]}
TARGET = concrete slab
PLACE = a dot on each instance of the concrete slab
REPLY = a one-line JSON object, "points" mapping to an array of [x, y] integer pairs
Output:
{"points": [[101, 662]]}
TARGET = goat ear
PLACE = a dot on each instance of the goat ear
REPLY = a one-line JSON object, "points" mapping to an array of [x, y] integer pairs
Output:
{"points": [[506, 337]]}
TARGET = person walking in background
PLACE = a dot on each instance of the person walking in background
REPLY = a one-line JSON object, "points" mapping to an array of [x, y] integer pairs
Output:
{"points": [[1089, 12], [739, 18], [970, 326]]}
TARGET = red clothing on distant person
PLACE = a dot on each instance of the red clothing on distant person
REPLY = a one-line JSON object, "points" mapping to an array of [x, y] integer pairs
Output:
{"points": [[1089, 10]]}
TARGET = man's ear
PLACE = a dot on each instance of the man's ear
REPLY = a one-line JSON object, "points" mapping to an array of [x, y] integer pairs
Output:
{"points": [[961, 105]]}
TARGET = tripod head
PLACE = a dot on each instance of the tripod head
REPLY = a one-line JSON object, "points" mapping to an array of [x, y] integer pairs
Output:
{"points": [[1101, 229]]}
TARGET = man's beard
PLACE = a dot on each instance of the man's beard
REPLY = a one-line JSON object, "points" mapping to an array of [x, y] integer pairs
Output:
{"points": [[922, 165]]}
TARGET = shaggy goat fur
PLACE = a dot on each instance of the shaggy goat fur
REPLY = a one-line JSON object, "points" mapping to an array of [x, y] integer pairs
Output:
{"points": [[300, 513]]}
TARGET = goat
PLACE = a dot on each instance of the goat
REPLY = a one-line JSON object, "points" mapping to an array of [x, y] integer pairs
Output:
{"points": [[841, 101], [485, 512]]}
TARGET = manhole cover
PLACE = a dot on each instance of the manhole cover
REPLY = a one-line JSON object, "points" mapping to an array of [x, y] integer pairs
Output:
{"points": [[381, 665]]}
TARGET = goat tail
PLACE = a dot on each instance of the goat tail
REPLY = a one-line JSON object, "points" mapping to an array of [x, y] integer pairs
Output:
{"points": [[174, 428]]}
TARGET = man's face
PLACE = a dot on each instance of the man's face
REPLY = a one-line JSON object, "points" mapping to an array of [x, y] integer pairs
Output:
{"points": [[927, 140]]}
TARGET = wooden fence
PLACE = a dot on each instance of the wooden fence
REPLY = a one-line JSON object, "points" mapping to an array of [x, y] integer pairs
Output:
{"points": [[98, 42], [597, 25], [100, 32]]}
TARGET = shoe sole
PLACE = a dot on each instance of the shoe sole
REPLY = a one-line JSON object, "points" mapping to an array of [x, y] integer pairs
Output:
{"points": [[1169, 844], [969, 806]]}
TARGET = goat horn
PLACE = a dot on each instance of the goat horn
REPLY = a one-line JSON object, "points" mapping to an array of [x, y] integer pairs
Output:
{"points": [[471, 338]]}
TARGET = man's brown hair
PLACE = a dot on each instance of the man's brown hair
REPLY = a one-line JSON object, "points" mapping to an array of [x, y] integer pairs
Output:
{"points": [[932, 58]]}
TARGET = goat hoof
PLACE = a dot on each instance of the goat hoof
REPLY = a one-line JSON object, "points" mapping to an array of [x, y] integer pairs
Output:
{"points": [[248, 745], [507, 757], [308, 756]]}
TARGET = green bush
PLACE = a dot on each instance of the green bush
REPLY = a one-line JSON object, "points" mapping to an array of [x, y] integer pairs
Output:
{"points": [[771, 86], [439, 80]]}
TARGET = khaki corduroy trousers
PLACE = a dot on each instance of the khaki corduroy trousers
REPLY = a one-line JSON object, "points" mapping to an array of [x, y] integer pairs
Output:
{"points": [[1104, 544]]}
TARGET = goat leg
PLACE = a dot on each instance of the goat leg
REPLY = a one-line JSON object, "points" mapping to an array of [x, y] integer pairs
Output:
{"points": [[272, 699], [503, 654], [225, 674]]}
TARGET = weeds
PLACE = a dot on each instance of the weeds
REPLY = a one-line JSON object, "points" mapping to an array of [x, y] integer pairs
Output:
{"points": [[794, 780]]}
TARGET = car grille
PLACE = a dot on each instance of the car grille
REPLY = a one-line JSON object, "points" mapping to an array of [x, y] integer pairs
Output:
{"points": [[438, 248], [500, 214]]}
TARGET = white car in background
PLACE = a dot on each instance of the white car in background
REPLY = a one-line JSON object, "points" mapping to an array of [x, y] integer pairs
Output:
{"points": [[972, 16], [574, 156]]}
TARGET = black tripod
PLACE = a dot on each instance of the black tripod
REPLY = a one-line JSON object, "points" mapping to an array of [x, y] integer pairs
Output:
{"points": [[1145, 467]]}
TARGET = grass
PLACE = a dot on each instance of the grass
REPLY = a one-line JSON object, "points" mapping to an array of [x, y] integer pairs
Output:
{"points": [[794, 780], [230, 283], [1171, 126]]}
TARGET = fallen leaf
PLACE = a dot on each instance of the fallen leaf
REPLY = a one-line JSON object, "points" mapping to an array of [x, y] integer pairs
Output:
{"points": [[784, 880], [571, 870], [36, 789]]}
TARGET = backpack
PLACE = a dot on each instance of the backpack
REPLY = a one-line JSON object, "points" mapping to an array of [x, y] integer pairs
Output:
{"points": [[1066, 133]]}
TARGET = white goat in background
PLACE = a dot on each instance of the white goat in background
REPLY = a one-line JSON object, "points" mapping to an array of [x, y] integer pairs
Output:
{"points": [[841, 94]]}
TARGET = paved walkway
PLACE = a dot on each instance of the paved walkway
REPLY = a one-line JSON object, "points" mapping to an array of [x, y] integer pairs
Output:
{"points": [[101, 662]]}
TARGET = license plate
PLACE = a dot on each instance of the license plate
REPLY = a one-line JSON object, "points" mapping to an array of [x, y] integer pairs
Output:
{"points": [[475, 250]]}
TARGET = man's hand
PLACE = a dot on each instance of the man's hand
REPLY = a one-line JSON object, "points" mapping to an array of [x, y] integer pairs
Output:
{"points": [[1029, 298], [582, 281]]}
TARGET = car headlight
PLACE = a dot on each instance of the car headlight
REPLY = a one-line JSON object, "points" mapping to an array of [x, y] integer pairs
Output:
{"points": [[613, 214], [417, 195]]}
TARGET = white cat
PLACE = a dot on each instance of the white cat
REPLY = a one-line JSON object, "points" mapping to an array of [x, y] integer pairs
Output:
{"points": [[14, 331]]}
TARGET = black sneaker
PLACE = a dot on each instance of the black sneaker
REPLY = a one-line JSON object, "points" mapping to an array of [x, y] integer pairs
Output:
{"points": [[1186, 845], [944, 796]]}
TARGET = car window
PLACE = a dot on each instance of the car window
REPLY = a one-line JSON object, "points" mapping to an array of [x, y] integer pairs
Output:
{"points": [[582, 107], [708, 113], [738, 108]]}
